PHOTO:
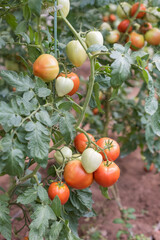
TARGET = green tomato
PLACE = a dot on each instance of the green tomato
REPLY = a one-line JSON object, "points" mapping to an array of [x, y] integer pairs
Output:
{"points": [[94, 37], [65, 7], [122, 13], [76, 53], [91, 160], [64, 154], [112, 7], [150, 17], [76, 156], [105, 26], [63, 86]]}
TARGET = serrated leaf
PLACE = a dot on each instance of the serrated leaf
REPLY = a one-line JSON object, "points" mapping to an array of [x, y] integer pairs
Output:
{"points": [[55, 230], [21, 82], [151, 104], [14, 162], [29, 196], [5, 221], [6, 143], [42, 194], [97, 47], [35, 6], [43, 117], [156, 59], [44, 92], [103, 81], [66, 125], [56, 206]]}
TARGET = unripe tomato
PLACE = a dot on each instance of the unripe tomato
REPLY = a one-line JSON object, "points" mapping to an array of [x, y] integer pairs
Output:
{"points": [[105, 175], [134, 9], [153, 36], [113, 37], [63, 155], [105, 26], [59, 189], [105, 18], [76, 53], [46, 67], [81, 141], [152, 14], [145, 27], [94, 37], [113, 151], [63, 86], [91, 160], [137, 41], [74, 77], [65, 7], [122, 13], [112, 17], [122, 27], [112, 7], [75, 175]]}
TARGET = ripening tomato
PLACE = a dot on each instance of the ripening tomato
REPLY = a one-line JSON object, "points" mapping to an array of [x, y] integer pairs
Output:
{"points": [[113, 151], [75, 175], [95, 110], [105, 175], [134, 9], [137, 41], [122, 27], [59, 189], [153, 36], [74, 77], [152, 14], [112, 17], [81, 141], [63, 85], [105, 18], [113, 36], [148, 169], [125, 9], [25, 238], [13, 89], [145, 27], [46, 67], [76, 53]]}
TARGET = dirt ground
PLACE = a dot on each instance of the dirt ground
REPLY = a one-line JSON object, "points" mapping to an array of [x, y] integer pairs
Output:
{"points": [[138, 189]]}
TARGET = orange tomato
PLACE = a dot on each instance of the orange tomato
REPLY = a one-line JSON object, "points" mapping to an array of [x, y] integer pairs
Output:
{"points": [[81, 141]]}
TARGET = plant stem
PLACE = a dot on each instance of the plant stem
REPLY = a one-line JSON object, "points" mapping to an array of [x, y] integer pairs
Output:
{"points": [[107, 112]]}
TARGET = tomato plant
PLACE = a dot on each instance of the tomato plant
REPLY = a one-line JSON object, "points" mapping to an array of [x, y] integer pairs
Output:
{"points": [[59, 189]]}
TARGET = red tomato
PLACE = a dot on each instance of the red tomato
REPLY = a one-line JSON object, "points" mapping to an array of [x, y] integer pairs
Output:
{"points": [[147, 68], [75, 175], [95, 110], [134, 9], [13, 89], [137, 41], [145, 27], [81, 141], [150, 169], [112, 17], [105, 18], [122, 27], [75, 80], [105, 175], [59, 189], [46, 67], [113, 152]]}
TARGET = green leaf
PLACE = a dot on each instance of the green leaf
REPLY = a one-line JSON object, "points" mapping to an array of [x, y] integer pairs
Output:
{"points": [[65, 105], [11, 20], [118, 221], [97, 47], [44, 118], [96, 93], [131, 216], [42, 194], [33, 53], [104, 192], [6, 143], [103, 81], [55, 230], [55, 118], [155, 122], [41, 217], [43, 92], [151, 104], [29, 196], [25, 37], [128, 225], [120, 232], [156, 59], [130, 210], [145, 75], [21, 27], [5, 221], [21, 82], [66, 125], [14, 162], [56, 206], [38, 137], [35, 6]]}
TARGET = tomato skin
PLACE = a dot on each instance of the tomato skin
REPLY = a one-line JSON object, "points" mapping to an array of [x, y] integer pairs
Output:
{"points": [[59, 189], [96, 111], [25, 238], [152, 14], [13, 89], [75, 175], [107, 176], [105, 26], [134, 9], [46, 67], [74, 77], [105, 18], [63, 86], [113, 152], [65, 7], [113, 37], [153, 36], [65, 152], [137, 41], [76, 53], [150, 169], [122, 27], [112, 17], [120, 11], [81, 141], [145, 27]]}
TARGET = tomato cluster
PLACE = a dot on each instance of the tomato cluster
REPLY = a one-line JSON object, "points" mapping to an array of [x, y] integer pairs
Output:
{"points": [[136, 33]]}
